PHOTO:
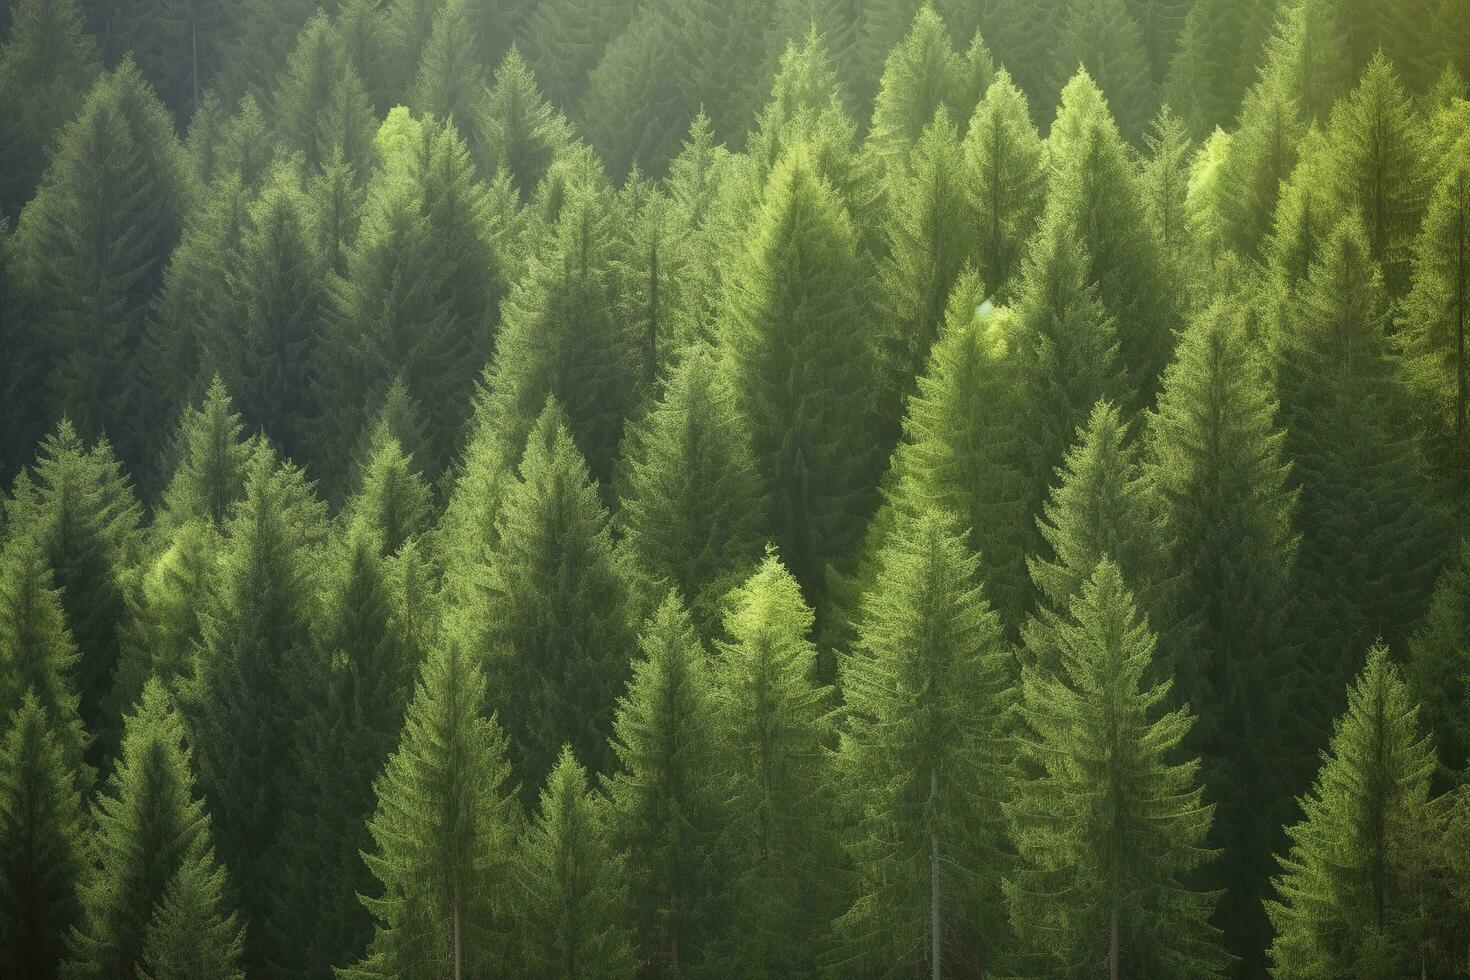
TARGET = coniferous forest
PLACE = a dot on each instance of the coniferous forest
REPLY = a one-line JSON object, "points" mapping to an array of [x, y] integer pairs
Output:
{"points": [[734, 488]]}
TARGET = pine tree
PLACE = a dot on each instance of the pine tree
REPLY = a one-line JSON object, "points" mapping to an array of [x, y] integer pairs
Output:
{"points": [[1097, 194], [921, 761], [650, 262], [693, 511], [192, 936], [1215, 462], [92, 258], [255, 45], [793, 350], [1437, 668], [450, 80], [1399, 31], [209, 477], [1166, 181], [573, 918], [1215, 62], [337, 201], [1109, 828], [406, 28], [519, 131], [149, 826], [47, 64], [1006, 160], [1103, 38], [239, 701], [321, 106], [550, 623], [393, 501], [1346, 903], [930, 242], [41, 838], [667, 809], [923, 74], [641, 96], [1262, 155], [565, 39], [77, 507], [773, 717], [1372, 534], [443, 834]]}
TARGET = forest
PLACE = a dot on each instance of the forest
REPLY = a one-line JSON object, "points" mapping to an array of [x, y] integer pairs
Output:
{"points": [[696, 489]]}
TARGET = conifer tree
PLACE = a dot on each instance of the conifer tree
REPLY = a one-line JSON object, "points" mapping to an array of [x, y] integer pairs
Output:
{"points": [[565, 39], [1437, 668], [667, 809], [255, 45], [1166, 183], [519, 131], [209, 476], [1103, 38], [239, 702], [393, 501], [191, 935], [921, 762], [1261, 156], [693, 511], [1346, 902], [149, 826], [1215, 62], [930, 242], [1006, 160], [1372, 534], [774, 722], [337, 201], [573, 919], [76, 505], [47, 64], [92, 258], [321, 107], [923, 74], [1216, 464], [1109, 825], [443, 834], [551, 622], [793, 346], [406, 28], [450, 80], [41, 838]]}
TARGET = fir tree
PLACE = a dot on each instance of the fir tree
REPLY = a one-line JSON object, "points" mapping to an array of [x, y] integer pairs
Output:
{"points": [[407, 26], [149, 826], [1102, 37], [192, 935], [209, 477], [393, 501], [921, 75], [1109, 826], [1006, 160], [667, 810], [41, 838], [573, 917], [693, 511], [794, 353], [1214, 64], [443, 834], [565, 39], [519, 131], [1261, 156], [321, 107], [1438, 664], [1347, 905], [921, 762], [449, 81], [774, 722]]}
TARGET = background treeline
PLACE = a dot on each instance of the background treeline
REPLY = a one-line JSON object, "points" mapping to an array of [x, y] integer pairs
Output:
{"points": [[701, 488]]}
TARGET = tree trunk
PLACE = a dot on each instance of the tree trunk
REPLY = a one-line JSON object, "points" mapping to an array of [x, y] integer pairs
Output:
{"points": [[936, 941]]}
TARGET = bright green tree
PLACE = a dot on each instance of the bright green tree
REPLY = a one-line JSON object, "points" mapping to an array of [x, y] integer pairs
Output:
{"points": [[393, 501], [667, 807], [921, 760], [443, 834], [773, 717], [209, 476], [573, 916], [693, 512], [792, 341], [41, 838], [1109, 823], [1347, 905], [921, 75], [149, 826], [193, 935], [1006, 160]]}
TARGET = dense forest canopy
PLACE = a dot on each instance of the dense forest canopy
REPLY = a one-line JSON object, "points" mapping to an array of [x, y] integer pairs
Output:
{"points": [[734, 488]]}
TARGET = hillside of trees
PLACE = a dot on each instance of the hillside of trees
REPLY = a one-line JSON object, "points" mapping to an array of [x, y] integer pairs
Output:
{"points": [[734, 488]]}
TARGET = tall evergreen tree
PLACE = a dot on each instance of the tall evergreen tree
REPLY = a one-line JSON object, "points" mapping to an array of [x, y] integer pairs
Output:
{"points": [[774, 722], [1347, 903], [393, 501], [1215, 62], [573, 919], [192, 936], [519, 131], [1437, 668], [1109, 824], [149, 826], [1103, 38], [794, 351], [321, 106], [565, 39], [209, 476], [693, 511], [1006, 160], [921, 75], [667, 808], [443, 834], [450, 79], [922, 767], [41, 838]]}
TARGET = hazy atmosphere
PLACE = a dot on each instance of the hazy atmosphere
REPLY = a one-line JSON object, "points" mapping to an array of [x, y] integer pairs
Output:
{"points": [[702, 489]]}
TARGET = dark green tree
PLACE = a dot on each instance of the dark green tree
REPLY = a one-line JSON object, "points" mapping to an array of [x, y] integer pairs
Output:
{"points": [[321, 106], [209, 476], [1006, 162], [450, 79], [519, 131], [1102, 37], [1215, 62], [921, 760], [565, 39], [1437, 668], [192, 935]]}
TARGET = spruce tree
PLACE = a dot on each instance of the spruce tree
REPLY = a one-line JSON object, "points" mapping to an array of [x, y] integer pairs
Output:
{"points": [[450, 79], [792, 340], [1006, 161], [692, 508], [192, 935], [239, 701], [1215, 461], [921, 761], [550, 624], [565, 39], [1109, 823], [667, 807], [41, 838], [921, 75], [519, 131], [209, 476], [1102, 38], [1346, 903], [393, 501], [1219, 48], [773, 717], [149, 826], [1262, 154], [321, 107], [1437, 668], [443, 834], [573, 916]]}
